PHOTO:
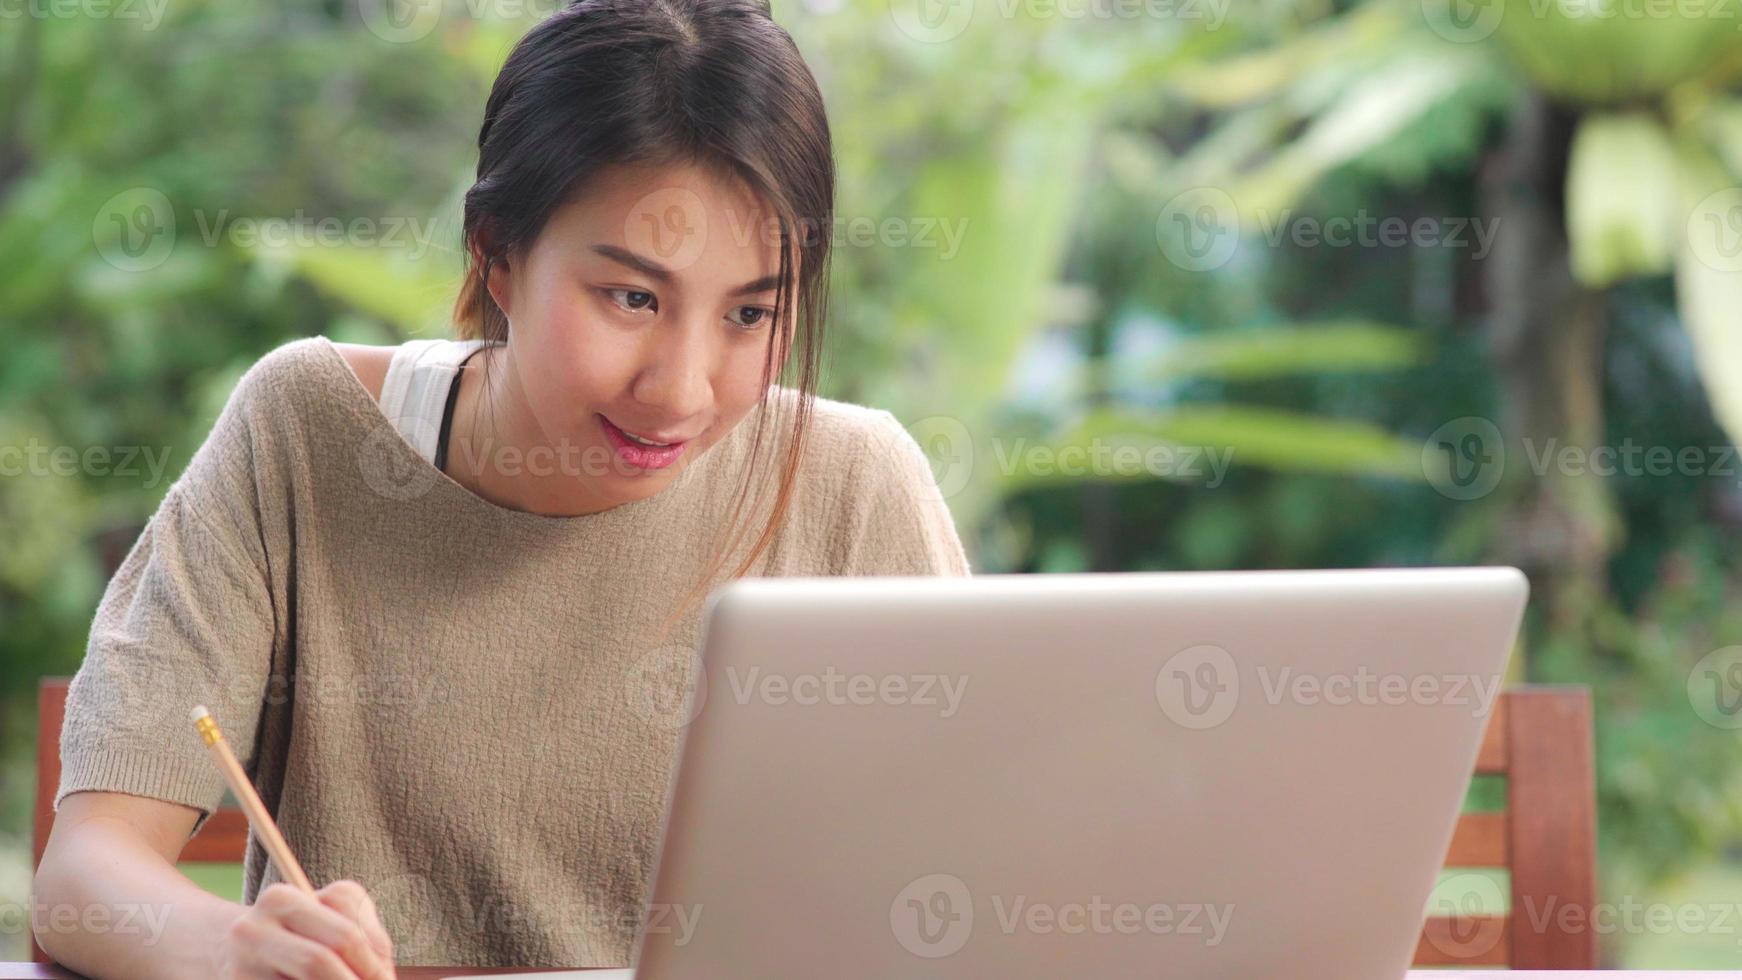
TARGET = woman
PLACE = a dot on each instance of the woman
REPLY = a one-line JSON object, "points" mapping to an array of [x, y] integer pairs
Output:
{"points": [[444, 598]]}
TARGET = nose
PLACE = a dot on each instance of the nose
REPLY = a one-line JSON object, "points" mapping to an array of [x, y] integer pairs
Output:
{"points": [[675, 379]]}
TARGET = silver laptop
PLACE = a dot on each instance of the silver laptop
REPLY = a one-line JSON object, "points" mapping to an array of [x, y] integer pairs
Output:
{"points": [[1236, 774]]}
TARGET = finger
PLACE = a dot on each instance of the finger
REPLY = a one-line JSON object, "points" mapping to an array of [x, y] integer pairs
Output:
{"points": [[351, 900], [282, 953], [312, 919]]}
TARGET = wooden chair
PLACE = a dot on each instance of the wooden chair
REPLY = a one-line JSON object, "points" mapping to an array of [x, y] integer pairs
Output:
{"points": [[1539, 738], [223, 839]]}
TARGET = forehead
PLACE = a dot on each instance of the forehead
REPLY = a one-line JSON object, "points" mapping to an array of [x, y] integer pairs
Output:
{"points": [[686, 218]]}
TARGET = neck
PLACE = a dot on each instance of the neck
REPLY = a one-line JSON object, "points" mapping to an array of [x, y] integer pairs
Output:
{"points": [[499, 451]]}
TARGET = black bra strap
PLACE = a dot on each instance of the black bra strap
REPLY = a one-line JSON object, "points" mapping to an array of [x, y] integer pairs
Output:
{"points": [[441, 452]]}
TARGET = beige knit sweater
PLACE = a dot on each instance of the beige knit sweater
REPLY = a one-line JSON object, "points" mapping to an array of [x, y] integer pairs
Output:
{"points": [[457, 704]]}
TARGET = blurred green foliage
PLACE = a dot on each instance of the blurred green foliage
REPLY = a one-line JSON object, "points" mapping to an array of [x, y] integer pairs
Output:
{"points": [[132, 156]]}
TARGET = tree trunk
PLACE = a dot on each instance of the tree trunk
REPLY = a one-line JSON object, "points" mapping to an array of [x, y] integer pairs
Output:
{"points": [[1547, 334]]}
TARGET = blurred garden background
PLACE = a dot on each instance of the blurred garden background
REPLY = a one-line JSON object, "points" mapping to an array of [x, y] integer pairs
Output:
{"points": [[1393, 282]]}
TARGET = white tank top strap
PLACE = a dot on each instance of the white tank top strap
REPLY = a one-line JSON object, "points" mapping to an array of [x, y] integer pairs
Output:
{"points": [[415, 391]]}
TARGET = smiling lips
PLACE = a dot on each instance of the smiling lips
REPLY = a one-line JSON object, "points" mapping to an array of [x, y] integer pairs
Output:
{"points": [[638, 452]]}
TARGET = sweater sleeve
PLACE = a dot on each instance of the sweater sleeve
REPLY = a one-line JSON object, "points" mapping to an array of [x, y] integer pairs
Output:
{"points": [[187, 619], [903, 524]]}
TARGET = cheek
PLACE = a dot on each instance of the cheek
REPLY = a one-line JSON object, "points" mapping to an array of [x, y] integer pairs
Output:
{"points": [[574, 367], [739, 385]]}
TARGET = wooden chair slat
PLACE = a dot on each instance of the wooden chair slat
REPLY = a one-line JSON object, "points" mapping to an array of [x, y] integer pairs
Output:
{"points": [[223, 839], [1539, 738], [1475, 940], [1479, 841], [1551, 789], [1491, 759]]}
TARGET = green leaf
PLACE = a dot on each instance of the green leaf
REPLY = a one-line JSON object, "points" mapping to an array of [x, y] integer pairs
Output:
{"points": [[1336, 347], [1709, 280], [1372, 111], [408, 287], [1621, 212], [1608, 51], [1266, 72], [1197, 444]]}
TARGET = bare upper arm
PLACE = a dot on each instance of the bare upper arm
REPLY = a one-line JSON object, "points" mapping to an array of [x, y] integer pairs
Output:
{"points": [[163, 826], [368, 363]]}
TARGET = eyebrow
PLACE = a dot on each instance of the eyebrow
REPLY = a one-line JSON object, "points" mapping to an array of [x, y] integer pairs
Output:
{"points": [[651, 268]]}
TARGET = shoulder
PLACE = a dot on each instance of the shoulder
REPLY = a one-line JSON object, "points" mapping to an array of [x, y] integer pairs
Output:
{"points": [[368, 363], [860, 459], [314, 367], [872, 494], [861, 448], [291, 366]]}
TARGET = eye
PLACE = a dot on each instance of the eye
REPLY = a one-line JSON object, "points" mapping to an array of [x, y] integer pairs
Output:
{"points": [[633, 300], [754, 316]]}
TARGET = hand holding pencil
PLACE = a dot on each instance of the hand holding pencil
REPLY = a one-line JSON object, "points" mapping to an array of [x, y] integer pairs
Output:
{"points": [[293, 929]]}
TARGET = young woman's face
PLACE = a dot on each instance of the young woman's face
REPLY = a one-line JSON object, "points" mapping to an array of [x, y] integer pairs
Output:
{"points": [[644, 309]]}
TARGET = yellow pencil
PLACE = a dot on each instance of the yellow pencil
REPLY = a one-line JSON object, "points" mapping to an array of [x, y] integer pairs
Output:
{"points": [[258, 818]]}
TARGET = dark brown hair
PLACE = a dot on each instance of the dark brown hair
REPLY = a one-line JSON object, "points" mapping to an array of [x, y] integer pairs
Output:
{"points": [[715, 83]]}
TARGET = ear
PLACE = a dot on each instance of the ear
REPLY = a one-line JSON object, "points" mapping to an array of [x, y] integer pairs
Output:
{"points": [[500, 284]]}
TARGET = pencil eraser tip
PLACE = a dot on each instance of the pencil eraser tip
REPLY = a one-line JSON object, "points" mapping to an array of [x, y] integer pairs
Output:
{"points": [[199, 712]]}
